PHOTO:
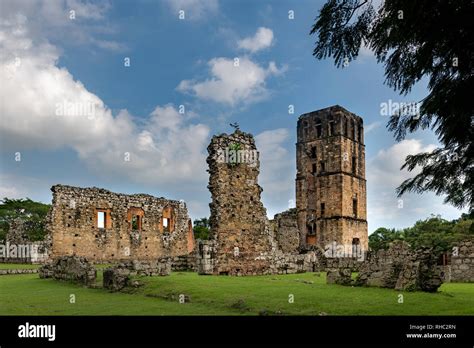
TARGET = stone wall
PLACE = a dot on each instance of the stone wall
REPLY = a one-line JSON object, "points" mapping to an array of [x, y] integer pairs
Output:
{"points": [[184, 263], [401, 268], [106, 226], [17, 271], [18, 247], [285, 227], [461, 267], [71, 268]]}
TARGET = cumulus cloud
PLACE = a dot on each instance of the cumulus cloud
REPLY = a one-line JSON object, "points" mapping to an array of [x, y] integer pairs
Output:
{"points": [[44, 107], [384, 169], [385, 209], [232, 83], [62, 20], [194, 9], [263, 38], [277, 172]]}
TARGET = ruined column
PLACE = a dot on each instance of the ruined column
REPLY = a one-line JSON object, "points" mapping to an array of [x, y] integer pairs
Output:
{"points": [[240, 232]]}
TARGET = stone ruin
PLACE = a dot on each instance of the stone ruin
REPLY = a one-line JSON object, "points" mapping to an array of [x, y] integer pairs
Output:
{"points": [[118, 276], [241, 240], [105, 227], [287, 234], [399, 267], [460, 267], [25, 250], [71, 268]]}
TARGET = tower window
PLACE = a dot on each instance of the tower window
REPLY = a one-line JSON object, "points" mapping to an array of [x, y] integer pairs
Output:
{"points": [[313, 152], [323, 166], [354, 207], [331, 128], [313, 169], [346, 129], [353, 131], [318, 130], [354, 163], [323, 209], [360, 134]]}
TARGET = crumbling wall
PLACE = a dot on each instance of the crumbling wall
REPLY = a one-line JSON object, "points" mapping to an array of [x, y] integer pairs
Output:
{"points": [[117, 277], [18, 247], [240, 233], [401, 268], [71, 268], [461, 267], [285, 226], [106, 226]]}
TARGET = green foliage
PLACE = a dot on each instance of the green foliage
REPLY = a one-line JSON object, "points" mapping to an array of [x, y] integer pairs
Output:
{"points": [[235, 147], [201, 228], [433, 232], [381, 238], [32, 213], [417, 39]]}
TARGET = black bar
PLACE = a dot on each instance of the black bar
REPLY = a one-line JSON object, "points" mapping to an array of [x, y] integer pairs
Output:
{"points": [[261, 330]]}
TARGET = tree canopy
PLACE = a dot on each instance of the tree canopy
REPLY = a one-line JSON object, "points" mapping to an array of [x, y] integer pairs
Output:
{"points": [[416, 39], [434, 232], [34, 213], [201, 228]]}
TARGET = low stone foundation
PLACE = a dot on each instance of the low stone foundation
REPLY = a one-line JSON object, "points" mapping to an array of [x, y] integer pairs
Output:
{"points": [[118, 276], [184, 263], [72, 268], [17, 271]]}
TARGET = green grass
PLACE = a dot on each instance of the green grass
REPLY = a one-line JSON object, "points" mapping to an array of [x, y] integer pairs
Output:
{"points": [[212, 295], [18, 266]]}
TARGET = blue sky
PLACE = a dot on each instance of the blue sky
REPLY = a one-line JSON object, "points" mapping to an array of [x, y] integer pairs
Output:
{"points": [[50, 58]]}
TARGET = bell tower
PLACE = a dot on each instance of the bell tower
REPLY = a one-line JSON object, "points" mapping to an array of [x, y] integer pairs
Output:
{"points": [[330, 180]]}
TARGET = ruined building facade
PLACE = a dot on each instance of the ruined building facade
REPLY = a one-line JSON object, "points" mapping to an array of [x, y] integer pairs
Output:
{"points": [[105, 226], [330, 180]]}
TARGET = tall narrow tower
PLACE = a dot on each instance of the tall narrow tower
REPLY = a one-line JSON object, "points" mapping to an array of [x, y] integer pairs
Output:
{"points": [[330, 179]]}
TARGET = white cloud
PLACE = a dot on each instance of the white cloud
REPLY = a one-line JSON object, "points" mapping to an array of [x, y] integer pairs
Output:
{"points": [[194, 9], [263, 38], [231, 84], [384, 176], [370, 127], [43, 107], [384, 169], [52, 19], [277, 172]]}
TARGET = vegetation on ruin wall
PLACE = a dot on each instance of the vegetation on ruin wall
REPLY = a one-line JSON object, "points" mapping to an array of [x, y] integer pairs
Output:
{"points": [[33, 213], [222, 295], [435, 232]]}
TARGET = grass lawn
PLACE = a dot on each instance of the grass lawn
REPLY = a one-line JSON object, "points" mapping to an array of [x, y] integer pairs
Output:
{"points": [[213, 295]]}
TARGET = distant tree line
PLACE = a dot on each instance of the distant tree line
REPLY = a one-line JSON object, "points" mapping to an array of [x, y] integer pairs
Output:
{"points": [[33, 215], [435, 232]]}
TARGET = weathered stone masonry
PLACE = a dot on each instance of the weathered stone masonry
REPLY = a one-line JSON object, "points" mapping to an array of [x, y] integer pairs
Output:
{"points": [[330, 181], [105, 226], [241, 240]]}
